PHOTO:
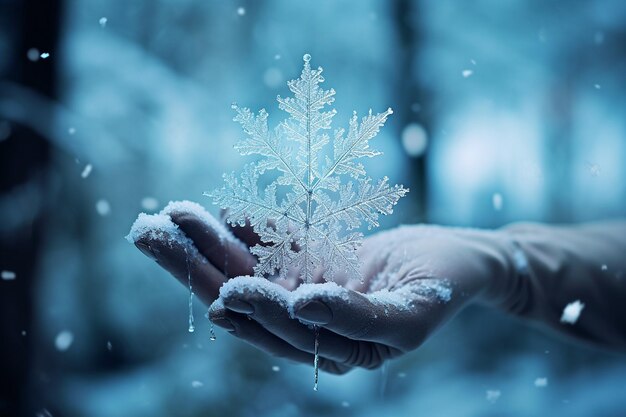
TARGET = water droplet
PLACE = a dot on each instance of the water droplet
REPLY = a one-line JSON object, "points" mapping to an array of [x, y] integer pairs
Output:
{"points": [[384, 376], [191, 326], [316, 349], [306, 57]]}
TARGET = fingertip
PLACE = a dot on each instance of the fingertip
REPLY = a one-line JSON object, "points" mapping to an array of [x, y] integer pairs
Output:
{"points": [[314, 312], [213, 239]]}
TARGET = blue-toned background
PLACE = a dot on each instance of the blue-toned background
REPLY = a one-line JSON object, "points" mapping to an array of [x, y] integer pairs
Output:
{"points": [[503, 111]]}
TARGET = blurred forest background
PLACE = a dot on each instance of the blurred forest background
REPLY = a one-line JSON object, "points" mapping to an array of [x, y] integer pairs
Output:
{"points": [[503, 111]]}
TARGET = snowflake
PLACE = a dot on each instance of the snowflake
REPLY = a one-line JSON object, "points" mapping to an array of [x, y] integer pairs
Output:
{"points": [[307, 216]]}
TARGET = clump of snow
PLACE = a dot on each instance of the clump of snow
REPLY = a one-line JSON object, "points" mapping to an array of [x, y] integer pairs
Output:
{"points": [[430, 288], [604, 267], [86, 171], [103, 207], [324, 291], [217, 226], [44, 55], [541, 382], [103, 22], [493, 395], [467, 73], [160, 226], [241, 11], [276, 368], [247, 285], [345, 404], [64, 340], [395, 298], [71, 130], [197, 384], [404, 297], [8, 275], [572, 311]]}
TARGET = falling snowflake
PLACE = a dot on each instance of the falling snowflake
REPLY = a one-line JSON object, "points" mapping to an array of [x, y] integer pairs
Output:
{"points": [[492, 395], [86, 171], [572, 311], [8, 275], [64, 340], [307, 218]]}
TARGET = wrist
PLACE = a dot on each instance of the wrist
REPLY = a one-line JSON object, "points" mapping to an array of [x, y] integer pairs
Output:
{"points": [[508, 285]]}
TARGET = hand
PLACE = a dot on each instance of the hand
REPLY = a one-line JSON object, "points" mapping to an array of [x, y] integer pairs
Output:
{"points": [[415, 279]]}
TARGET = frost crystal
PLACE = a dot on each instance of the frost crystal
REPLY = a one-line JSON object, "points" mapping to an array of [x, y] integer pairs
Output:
{"points": [[307, 217]]}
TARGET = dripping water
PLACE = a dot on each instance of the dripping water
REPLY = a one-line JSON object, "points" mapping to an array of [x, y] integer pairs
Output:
{"points": [[384, 376], [316, 357], [212, 336], [191, 325]]}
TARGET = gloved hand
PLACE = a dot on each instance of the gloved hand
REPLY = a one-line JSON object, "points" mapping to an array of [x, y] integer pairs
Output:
{"points": [[415, 279]]}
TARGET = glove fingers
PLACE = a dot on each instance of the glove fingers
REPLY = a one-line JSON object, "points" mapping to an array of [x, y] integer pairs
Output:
{"points": [[397, 320], [272, 314], [183, 261], [254, 334], [215, 242]]}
